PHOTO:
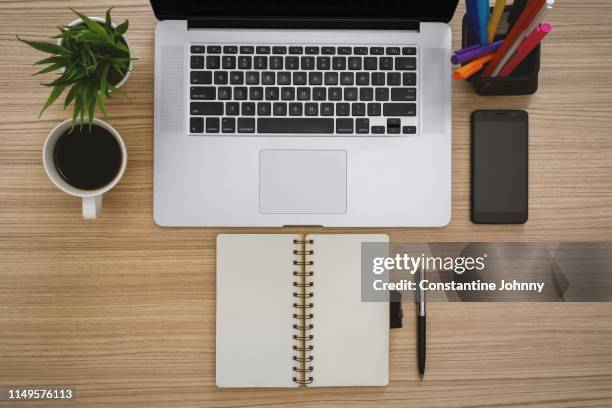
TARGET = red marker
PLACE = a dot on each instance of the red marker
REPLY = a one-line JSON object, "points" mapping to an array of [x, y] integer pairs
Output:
{"points": [[526, 47]]}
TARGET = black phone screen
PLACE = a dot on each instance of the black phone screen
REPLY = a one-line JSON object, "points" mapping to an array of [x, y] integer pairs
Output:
{"points": [[500, 167]]}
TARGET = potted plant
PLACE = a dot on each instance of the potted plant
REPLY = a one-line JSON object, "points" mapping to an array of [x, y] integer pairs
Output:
{"points": [[94, 59]]}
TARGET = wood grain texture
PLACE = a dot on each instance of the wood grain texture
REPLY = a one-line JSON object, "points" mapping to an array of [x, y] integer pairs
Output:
{"points": [[124, 310]]}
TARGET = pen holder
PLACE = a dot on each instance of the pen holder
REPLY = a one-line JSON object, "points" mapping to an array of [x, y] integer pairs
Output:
{"points": [[523, 81]]}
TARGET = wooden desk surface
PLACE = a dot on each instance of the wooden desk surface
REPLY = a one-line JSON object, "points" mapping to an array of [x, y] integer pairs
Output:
{"points": [[124, 310]]}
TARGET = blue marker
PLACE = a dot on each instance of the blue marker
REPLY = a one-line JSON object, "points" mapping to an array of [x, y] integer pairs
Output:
{"points": [[472, 13], [483, 20]]}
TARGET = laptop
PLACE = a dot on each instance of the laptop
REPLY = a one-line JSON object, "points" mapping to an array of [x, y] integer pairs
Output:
{"points": [[302, 113]]}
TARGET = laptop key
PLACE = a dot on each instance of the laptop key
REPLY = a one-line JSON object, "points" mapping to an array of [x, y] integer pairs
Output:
{"points": [[358, 109], [240, 93], [213, 49], [347, 78], [403, 94], [366, 94], [279, 109], [394, 79], [204, 93], [378, 130], [247, 49], [228, 125], [196, 125], [272, 93], [311, 109], [339, 63], [393, 50], [292, 63], [245, 62], [405, 64], [370, 63], [409, 51], [246, 125], [399, 109], [198, 49], [362, 126], [308, 63], [300, 78], [276, 62], [351, 94], [201, 77], [252, 78], [256, 93], [409, 78], [248, 108], [323, 63], [303, 94], [206, 108], [409, 130], [279, 50], [224, 93], [288, 93], [262, 50], [362, 78], [264, 108], [228, 62], [295, 109], [374, 109], [377, 50], [331, 78], [230, 49], [378, 78], [296, 50], [345, 51], [213, 62], [354, 63], [236, 78], [319, 93], [315, 78], [382, 94], [212, 125], [197, 62], [312, 50], [343, 109], [386, 63], [344, 126], [260, 62], [327, 109], [328, 50], [295, 125], [284, 78], [360, 50], [220, 78], [268, 78], [232, 109], [334, 94]]}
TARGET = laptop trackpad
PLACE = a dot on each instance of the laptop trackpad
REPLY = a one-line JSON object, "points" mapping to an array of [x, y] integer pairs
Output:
{"points": [[302, 181]]}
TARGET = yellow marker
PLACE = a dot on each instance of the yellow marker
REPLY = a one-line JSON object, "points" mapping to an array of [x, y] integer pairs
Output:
{"points": [[498, 10]]}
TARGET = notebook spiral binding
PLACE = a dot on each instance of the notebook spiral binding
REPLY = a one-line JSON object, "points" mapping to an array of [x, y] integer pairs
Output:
{"points": [[303, 292]]}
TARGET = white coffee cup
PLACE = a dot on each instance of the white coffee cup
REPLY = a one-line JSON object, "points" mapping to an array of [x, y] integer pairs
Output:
{"points": [[92, 199]]}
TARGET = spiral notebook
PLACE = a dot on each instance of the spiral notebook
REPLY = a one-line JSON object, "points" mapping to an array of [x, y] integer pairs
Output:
{"points": [[289, 313]]}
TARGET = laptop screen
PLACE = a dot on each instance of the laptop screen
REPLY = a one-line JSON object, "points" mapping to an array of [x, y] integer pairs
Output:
{"points": [[422, 10]]}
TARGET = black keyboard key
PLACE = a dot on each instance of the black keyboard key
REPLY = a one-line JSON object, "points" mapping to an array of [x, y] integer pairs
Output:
{"points": [[288, 93], [308, 63], [409, 130], [339, 63], [334, 94], [248, 108], [292, 63], [331, 78], [245, 62], [197, 62], [386, 63], [405, 63], [230, 49], [347, 78], [311, 109], [240, 93], [268, 78], [393, 51], [361, 50], [377, 50], [354, 63], [344, 126], [394, 79], [358, 109], [378, 130], [300, 78], [220, 78], [362, 79], [409, 51], [399, 109], [228, 62], [409, 78], [232, 109], [303, 94], [252, 78], [319, 94], [327, 109], [272, 93], [284, 78], [382, 94], [295, 125], [247, 49], [260, 62], [213, 62], [212, 125], [343, 109], [228, 125], [366, 94], [279, 50], [276, 62], [206, 108], [296, 50], [213, 49], [403, 94], [312, 50], [262, 50], [264, 108], [256, 93], [328, 50], [196, 125], [370, 63], [224, 93], [315, 78], [203, 93], [391, 122], [279, 109], [374, 109], [198, 49], [378, 78], [345, 51], [395, 130], [201, 77], [246, 125], [323, 63], [295, 109], [362, 126], [236, 78], [351, 94]]}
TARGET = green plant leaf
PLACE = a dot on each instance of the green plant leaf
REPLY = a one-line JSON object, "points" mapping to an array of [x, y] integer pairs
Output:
{"points": [[108, 21], [52, 67], [122, 28], [100, 97], [72, 93], [91, 24], [52, 60], [55, 93], [49, 48]]}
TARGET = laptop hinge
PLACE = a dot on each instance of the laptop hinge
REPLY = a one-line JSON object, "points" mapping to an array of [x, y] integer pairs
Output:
{"points": [[304, 23]]}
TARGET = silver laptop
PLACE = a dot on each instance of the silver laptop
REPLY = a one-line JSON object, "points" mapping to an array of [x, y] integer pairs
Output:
{"points": [[329, 113]]}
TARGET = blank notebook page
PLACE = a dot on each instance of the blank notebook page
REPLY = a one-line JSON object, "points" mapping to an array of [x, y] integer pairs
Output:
{"points": [[351, 338], [254, 310]]}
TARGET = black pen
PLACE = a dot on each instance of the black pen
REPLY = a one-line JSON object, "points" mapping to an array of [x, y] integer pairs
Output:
{"points": [[421, 326]]}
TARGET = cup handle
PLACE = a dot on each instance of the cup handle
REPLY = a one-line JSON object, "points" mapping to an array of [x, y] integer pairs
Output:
{"points": [[92, 206]]}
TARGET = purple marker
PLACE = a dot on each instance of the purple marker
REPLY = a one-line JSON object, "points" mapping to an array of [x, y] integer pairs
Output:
{"points": [[475, 53], [473, 47]]}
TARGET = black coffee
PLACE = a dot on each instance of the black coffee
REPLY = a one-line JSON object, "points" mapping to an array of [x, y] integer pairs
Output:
{"points": [[87, 159]]}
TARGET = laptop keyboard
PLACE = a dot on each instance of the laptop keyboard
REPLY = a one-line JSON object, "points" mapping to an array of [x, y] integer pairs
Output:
{"points": [[314, 90]]}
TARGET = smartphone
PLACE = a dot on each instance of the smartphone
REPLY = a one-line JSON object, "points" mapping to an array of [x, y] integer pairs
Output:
{"points": [[499, 167]]}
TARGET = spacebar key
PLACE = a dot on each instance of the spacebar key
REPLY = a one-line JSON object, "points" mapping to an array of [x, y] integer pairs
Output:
{"points": [[297, 125]]}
